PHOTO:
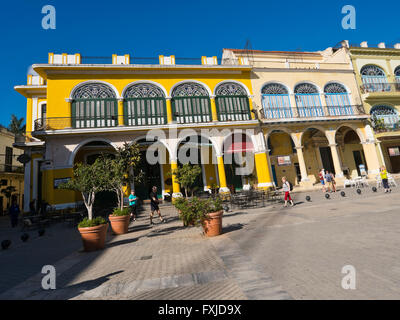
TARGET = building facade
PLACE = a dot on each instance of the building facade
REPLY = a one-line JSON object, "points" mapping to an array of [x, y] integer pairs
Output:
{"points": [[75, 111], [11, 172], [284, 113], [378, 76], [311, 112]]}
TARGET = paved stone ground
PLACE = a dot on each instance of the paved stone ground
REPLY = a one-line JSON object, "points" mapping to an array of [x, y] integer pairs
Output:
{"points": [[264, 253]]}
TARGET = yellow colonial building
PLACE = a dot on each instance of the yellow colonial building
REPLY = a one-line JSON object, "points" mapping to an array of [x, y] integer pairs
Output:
{"points": [[378, 76], [77, 110], [250, 118], [311, 114]]}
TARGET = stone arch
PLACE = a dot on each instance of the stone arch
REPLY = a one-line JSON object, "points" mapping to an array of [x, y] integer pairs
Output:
{"points": [[85, 142]]}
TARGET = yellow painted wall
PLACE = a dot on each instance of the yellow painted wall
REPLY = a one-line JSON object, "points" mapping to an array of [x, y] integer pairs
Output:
{"points": [[59, 87], [280, 143]]}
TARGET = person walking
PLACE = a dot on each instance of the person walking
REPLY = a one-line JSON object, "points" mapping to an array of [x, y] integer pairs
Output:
{"points": [[133, 204], [384, 177], [14, 211], [333, 182], [328, 180], [286, 189], [154, 205], [321, 179]]}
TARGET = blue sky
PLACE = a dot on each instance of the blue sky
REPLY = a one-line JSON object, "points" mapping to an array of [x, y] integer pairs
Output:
{"points": [[183, 28]]}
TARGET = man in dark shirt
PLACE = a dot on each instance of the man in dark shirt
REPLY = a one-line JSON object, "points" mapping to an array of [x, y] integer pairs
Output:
{"points": [[154, 205]]}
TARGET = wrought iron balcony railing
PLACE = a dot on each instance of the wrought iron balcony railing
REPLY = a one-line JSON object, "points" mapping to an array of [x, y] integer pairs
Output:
{"points": [[11, 169], [380, 87], [311, 112]]}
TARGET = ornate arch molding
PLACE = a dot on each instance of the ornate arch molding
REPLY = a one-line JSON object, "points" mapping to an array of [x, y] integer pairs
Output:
{"points": [[94, 90], [190, 89], [274, 88], [305, 88], [397, 71], [335, 87], [372, 70], [143, 90], [230, 88]]}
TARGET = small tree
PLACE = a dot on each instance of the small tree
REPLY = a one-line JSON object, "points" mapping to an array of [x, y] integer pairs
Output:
{"points": [[88, 179], [122, 169], [16, 125], [186, 176]]}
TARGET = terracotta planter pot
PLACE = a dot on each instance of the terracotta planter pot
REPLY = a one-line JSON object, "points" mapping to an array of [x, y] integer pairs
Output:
{"points": [[212, 226], [119, 224], [93, 238]]}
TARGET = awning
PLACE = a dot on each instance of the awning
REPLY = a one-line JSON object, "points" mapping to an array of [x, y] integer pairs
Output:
{"points": [[236, 147]]}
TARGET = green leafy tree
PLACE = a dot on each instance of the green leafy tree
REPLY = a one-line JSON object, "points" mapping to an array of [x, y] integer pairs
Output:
{"points": [[186, 176], [89, 180], [122, 170], [8, 192], [16, 125]]}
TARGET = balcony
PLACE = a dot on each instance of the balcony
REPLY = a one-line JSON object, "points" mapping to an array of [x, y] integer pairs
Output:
{"points": [[8, 168], [380, 87], [311, 112]]}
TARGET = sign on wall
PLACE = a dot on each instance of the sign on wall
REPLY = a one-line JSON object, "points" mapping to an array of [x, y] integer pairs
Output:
{"points": [[284, 161], [393, 152], [59, 181]]}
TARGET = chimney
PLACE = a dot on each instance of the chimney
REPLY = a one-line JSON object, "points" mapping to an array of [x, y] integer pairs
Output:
{"points": [[381, 45], [397, 46], [364, 44]]}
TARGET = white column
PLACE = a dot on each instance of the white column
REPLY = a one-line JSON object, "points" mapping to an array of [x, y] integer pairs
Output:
{"points": [[336, 161], [302, 164]]}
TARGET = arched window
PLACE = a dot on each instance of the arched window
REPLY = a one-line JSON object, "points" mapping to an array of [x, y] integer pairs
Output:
{"points": [[276, 101], [384, 117], [191, 103], [308, 100], [232, 102], [337, 99], [397, 74], [374, 78], [94, 105], [144, 104]]}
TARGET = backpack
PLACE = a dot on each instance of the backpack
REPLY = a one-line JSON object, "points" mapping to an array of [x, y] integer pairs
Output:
{"points": [[291, 186]]}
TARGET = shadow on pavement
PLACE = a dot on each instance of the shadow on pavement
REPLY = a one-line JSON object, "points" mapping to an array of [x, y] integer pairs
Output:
{"points": [[74, 290], [232, 227]]}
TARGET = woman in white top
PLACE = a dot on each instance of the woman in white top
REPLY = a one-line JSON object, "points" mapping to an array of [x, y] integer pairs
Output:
{"points": [[286, 189]]}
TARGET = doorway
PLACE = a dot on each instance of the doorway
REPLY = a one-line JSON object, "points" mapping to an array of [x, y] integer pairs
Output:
{"points": [[359, 159], [151, 177], [326, 158]]}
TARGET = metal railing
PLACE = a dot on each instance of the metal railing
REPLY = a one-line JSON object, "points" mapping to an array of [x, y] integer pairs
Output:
{"points": [[11, 169], [293, 113], [380, 87]]}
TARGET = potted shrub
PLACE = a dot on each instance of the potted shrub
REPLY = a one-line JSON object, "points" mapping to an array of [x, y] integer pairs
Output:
{"points": [[93, 233], [207, 212], [119, 220], [211, 217], [89, 179], [189, 210]]}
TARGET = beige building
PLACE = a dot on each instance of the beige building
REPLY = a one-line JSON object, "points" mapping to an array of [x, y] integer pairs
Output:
{"points": [[311, 113], [11, 171], [377, 71]]}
